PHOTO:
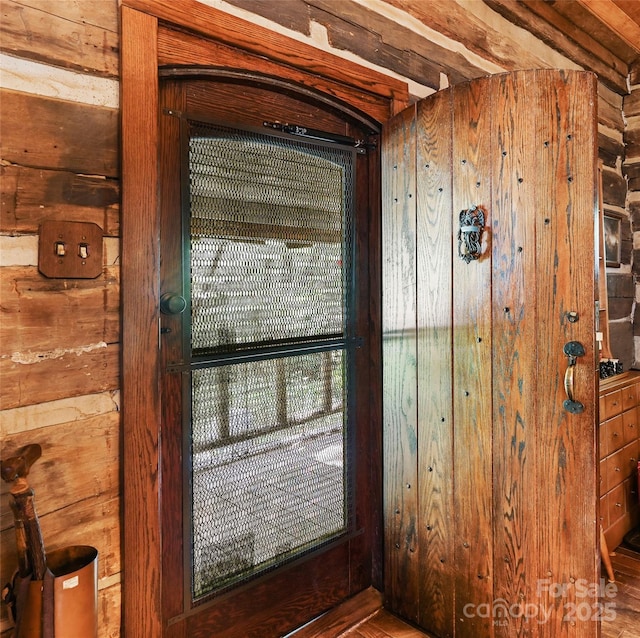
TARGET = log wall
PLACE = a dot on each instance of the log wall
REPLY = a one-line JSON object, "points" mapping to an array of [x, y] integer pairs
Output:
{"points": [[59, 159], [631, 108], [59, 338]]}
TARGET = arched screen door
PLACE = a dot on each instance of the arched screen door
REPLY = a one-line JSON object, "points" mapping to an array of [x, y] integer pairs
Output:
{"points": [[263, 242]]}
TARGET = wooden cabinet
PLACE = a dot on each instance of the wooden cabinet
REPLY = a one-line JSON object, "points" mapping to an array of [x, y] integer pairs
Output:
{"points": [[619, 432]]}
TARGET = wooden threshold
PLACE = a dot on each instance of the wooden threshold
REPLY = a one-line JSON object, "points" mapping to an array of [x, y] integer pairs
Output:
{"points": [[359, 617]]}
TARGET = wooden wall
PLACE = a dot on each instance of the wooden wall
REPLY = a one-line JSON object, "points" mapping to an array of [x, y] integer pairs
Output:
{"points": [[59, 338], [59, 159], [631, 167]]}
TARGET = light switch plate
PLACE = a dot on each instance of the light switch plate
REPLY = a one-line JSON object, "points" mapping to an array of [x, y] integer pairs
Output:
{"points": [[70, 250]]}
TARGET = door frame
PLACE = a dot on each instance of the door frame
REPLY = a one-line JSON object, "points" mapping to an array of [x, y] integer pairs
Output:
{"points": [[154, 34]]}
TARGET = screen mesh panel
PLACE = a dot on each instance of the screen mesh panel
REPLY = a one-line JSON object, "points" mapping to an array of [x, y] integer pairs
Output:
{"points": [[268, 238], [273, 492], [270, 266]]}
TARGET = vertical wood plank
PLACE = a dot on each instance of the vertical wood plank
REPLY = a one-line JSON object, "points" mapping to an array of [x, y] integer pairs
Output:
{"points": [[400, 491], [514, 353], [174, 598], [472, 339], [142, 612], [566, 200], [434, 306]]}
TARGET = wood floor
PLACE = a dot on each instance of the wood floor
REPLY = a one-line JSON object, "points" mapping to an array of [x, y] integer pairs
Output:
{"points": [[364, 617], [626, 624]]}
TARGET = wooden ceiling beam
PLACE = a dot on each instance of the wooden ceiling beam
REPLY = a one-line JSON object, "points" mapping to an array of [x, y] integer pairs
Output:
{"points": [[579, 35], [523, 15], [608, 12]]}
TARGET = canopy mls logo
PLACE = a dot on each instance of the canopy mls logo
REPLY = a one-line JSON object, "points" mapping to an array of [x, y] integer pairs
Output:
{"points": [[579, 600]]}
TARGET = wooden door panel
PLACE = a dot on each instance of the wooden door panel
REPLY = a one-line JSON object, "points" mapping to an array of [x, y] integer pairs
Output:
{"points": [[400, 484], [472, 335], [506, 505], [514, 334], [565, 207], [434, 305]]}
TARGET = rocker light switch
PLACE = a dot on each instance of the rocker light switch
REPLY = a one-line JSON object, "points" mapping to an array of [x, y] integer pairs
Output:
{"points": [[70, 250]]}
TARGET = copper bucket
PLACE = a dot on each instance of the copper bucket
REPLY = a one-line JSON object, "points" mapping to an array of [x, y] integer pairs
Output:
{"points": [[75, 596], [75, 591]]}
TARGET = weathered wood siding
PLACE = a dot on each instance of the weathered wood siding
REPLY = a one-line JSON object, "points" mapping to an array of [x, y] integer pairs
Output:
{"points": [[60, 339]]}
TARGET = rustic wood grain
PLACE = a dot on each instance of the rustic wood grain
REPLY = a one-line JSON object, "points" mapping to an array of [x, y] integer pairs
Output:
{"points": [[210, 22], [576, 12], [44, 317], [565, 197], [631, 103], [400, 427], [390, 44], [46, 133], [609, 150], [608, 12], [553, 30], [614, 188], [99, 13], [514, 378], [279, 602], [483, 37], [435, 340], [632, 142], [176, 48], [354, 28], [109, 611], [68, 374], [385, 625], [344, 616], [366, 554], [172, 96], [624, 603], [569, 33], [610, 110], [256, 102], [80, 36], [57, 475], [30, 196], [472, 380], [518, 463], [140, 279], [293, 14]]}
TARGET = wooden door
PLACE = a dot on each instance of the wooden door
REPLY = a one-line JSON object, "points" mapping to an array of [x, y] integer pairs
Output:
{"points": [[489, 481]]}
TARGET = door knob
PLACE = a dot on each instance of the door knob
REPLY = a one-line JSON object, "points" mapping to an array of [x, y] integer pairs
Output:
{"points": [[172, 304]]}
